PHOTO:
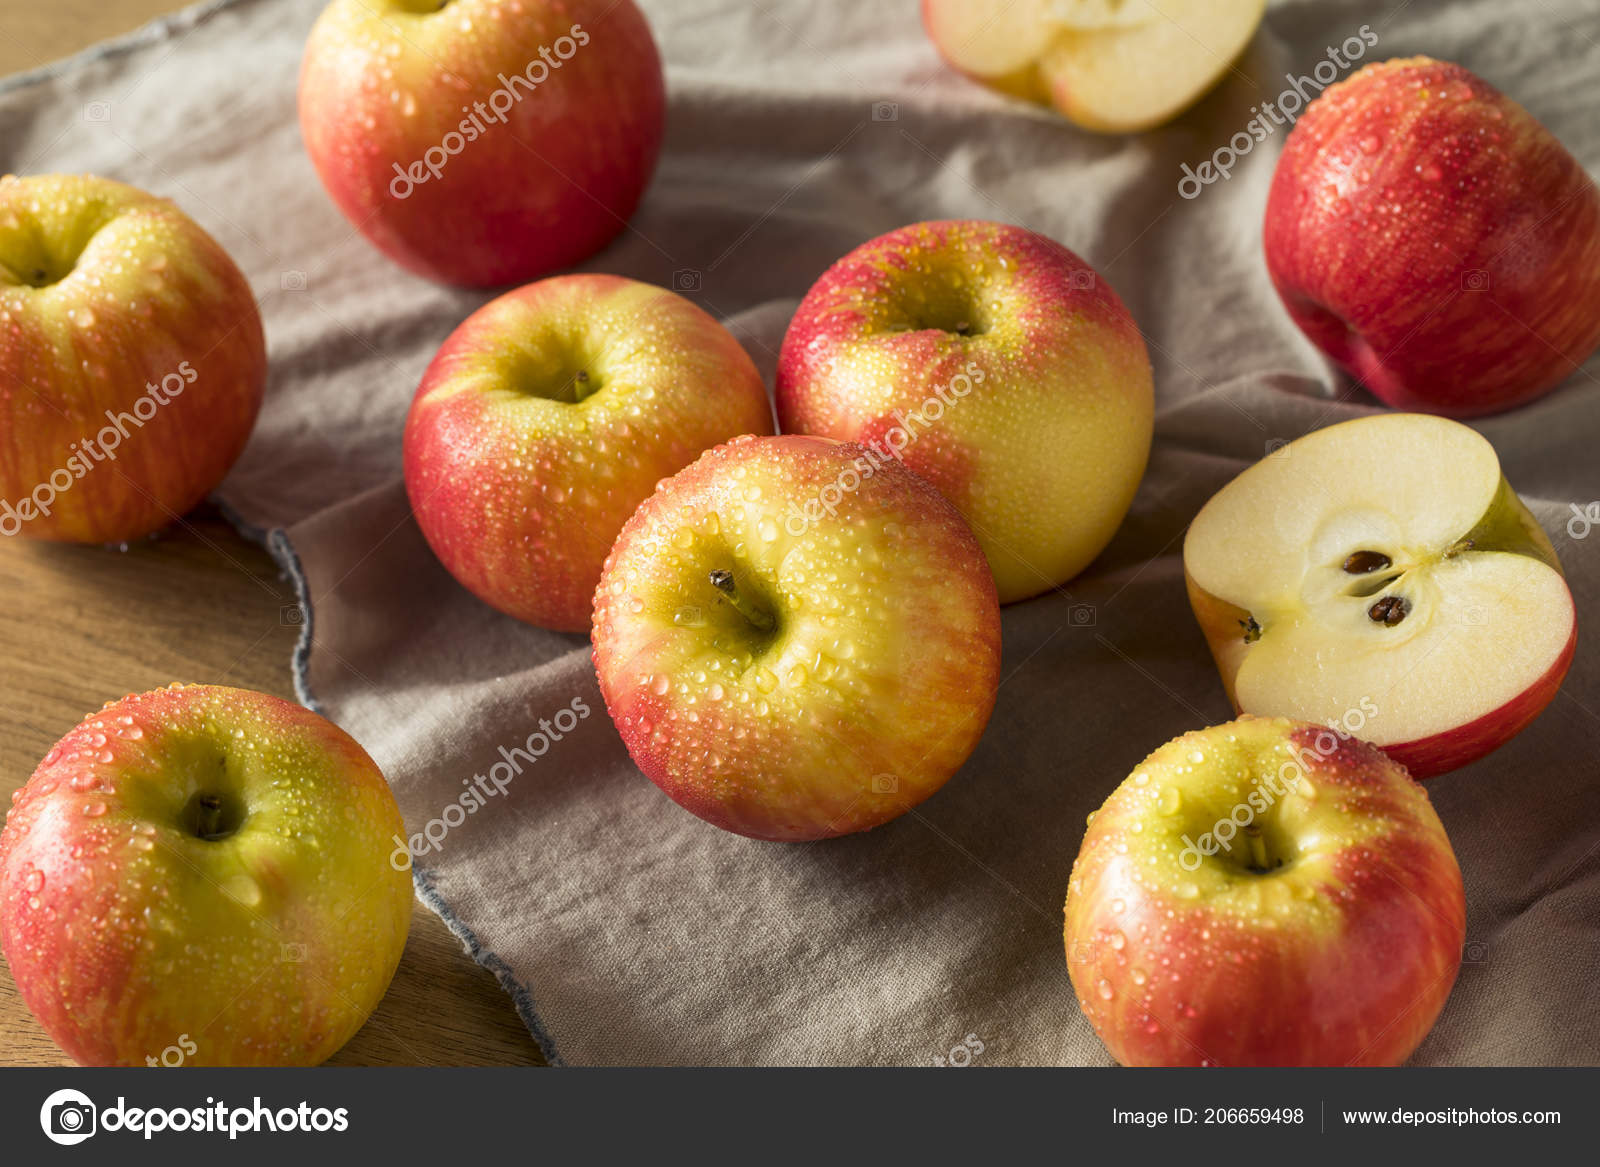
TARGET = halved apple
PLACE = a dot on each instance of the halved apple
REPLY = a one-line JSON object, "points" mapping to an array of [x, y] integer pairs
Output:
{"points": [[1383, 569], [1112, 65]]}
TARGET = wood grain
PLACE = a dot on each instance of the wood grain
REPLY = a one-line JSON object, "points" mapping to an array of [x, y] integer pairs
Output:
{"points": [[83, 625]]}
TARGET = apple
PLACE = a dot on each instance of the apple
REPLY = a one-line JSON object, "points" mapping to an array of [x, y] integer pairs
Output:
{"points": [[549, 415], [1264, 893], [1384, 559], [797, 639], [1116, 66], [1435, 240], [208, 867], [996, 364], [483, 142], [131, 360]]}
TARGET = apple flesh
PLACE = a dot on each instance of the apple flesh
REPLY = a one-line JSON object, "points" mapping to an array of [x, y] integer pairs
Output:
{"points": [[1325, 929], [549, 415], [996, 364], [132, 360], [1117, 66], [1384, 559], [204, 862], [1435, 240], [796, 640], [479, 145]]}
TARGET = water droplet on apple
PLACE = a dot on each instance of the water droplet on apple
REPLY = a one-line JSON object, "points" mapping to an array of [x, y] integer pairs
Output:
{"points": [[1118, 907], [34, 881], [94, 810], [1171, 801], [1371, 144], [1139, 976], [1105, 990]]}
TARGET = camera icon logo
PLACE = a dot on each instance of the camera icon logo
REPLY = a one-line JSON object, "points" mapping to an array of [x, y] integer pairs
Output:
{"points": [[67, 1117], [886, 111], [292, 281], [1476, 280], [1474, 952], [1276, 448], [686, 280], [292, 952], [1081, 615], [885, 784], [97, 111], [292, 615], [1081, 280]]}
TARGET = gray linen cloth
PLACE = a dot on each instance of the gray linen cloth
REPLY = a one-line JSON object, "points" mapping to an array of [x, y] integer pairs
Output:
{"points": [[628, 931]]}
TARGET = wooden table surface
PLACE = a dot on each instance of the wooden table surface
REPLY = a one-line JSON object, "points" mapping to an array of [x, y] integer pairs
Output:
{"points": [[83, 625]]}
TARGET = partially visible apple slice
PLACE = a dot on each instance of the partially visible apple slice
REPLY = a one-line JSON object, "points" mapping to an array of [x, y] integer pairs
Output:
{"points": [[1384, 565], [1112, 65]]}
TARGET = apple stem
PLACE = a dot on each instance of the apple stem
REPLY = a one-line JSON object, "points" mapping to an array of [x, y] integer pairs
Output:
{"points": [[722, 580], [210, 825], [1258, 847]]}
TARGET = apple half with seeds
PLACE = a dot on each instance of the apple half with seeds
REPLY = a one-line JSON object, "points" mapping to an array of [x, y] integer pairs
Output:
{"points": [[1386, 561], [1117, 66]]}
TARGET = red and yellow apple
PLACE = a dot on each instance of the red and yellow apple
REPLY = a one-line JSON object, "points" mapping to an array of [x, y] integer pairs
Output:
{"points": [[1264, 893], [1116, 66], [483, 142], [208, 864], [797, 639], [1384, 559], [131, 360], [549, 415], [1435, 240], [996, 364]]}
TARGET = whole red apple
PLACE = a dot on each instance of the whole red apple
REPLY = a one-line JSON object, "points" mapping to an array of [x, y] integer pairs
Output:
{"points": [[483, 142], [1265, 893], [1435, 240], [996, 364], [208, 868], [549, 415], [797, 639], [131, 360]]}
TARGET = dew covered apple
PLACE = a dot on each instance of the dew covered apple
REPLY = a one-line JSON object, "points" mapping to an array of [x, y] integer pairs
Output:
{"points": [[483, 142], [1264, 893], [1430, 236], [132, 360], [797, 640], [203, 866], [549, 415], [996, 364]]}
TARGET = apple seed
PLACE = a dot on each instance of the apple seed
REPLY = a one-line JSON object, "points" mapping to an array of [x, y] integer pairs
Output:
{"points": [[1390, 610], [1366, 562]]}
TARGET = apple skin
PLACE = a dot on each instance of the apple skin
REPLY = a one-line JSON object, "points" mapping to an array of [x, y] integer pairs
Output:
{"points": [[385, 81], [1435, 240], [875, 684], [140, 294], [1043, 429], [521, 496], [1344, 956], [124, 929]]}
